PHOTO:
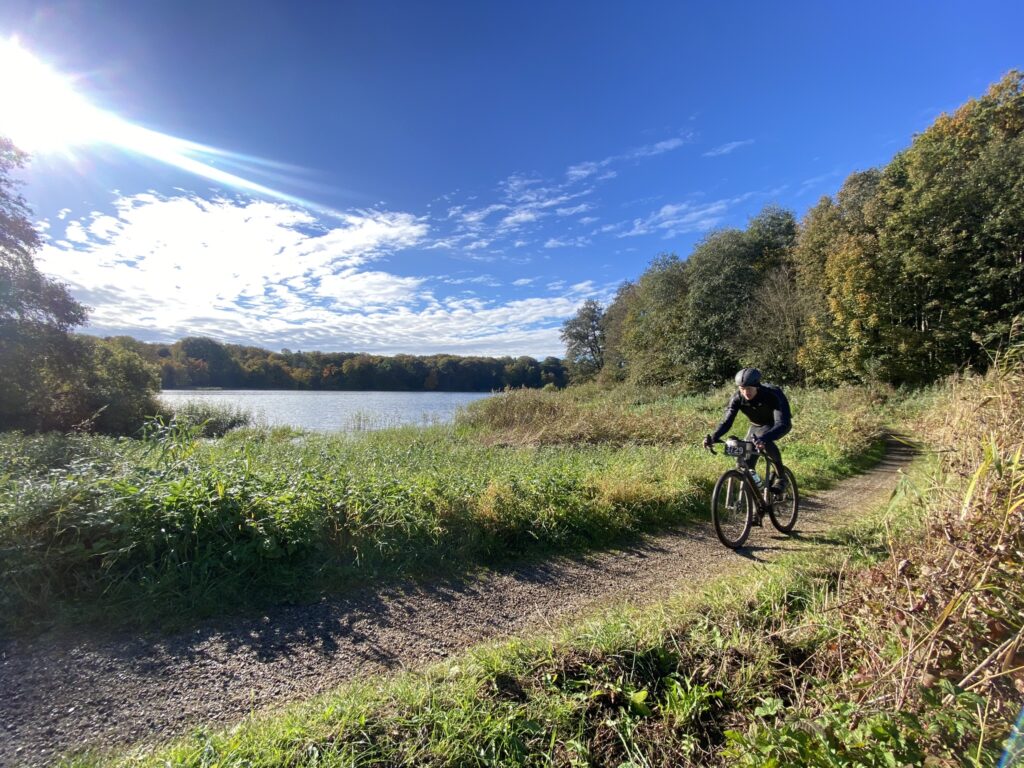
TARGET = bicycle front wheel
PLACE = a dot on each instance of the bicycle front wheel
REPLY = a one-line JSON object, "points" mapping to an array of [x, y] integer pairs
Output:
{"points": [[785, 506], [732, 509]]}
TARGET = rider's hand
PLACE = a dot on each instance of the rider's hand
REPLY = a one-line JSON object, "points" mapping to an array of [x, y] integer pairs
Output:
{"points": [[759, 444], [708, 442]]}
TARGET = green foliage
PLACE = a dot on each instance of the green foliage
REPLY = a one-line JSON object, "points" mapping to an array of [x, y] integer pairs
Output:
{"points": [[615, 318], [51, 379], [916, 267], [693, 321], [212, 420], [205, 362], [175, 523], [722, 281], [655, 320], [584, 337], [909, 274], [844, 735]]}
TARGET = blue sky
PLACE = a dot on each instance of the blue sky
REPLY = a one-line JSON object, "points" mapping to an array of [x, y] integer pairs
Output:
{"points": [[451, 176]]}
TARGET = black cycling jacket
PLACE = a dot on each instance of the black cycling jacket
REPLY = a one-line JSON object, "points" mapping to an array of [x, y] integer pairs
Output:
{"points": [[769, 407]]}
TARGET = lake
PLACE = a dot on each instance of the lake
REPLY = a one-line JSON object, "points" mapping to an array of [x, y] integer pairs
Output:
{"points": [[334, 411]]}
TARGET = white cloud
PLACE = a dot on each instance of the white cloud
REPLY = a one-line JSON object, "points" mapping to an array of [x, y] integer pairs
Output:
{"points": [[571, 242], [679, 218], [581, 208], [523, 281], [725, 149], [351, 289], [75, 233], [597, 168], [473, 218], [275, 275], [650, 150], [518, 218]]}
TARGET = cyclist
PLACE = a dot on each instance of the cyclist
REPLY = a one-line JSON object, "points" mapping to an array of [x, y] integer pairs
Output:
{"points": [[768, 410]]}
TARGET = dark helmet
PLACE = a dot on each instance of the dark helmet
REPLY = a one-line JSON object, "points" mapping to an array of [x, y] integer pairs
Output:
{"points": [[748, 377]]}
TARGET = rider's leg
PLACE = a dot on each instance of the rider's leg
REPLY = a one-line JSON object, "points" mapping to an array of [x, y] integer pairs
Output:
{"points": [[775, 455]]}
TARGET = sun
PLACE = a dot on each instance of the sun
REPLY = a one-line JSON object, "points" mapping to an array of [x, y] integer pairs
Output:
{"points": [[39, 109], [42, 113]]}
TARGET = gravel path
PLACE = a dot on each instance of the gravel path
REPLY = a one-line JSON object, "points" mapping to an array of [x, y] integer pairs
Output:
{"points": [[63, 693]]}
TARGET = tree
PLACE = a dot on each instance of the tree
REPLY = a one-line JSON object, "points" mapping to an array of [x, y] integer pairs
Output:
{"points": [[656, 322], [35, 314], [616, 361], [583, 336], [773, 234], [770, 332], [722, 280]]}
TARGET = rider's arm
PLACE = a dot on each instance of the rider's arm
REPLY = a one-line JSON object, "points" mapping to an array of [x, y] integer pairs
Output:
{"points": [[728, 417], [782, 418]]}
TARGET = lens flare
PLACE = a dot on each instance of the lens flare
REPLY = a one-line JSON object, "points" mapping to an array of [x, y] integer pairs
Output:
{"points": [[42, 113]]}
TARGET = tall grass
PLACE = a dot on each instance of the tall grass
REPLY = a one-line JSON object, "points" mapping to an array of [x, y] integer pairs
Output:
{"points": [[894, 643], [177, 524], [213, 420]]}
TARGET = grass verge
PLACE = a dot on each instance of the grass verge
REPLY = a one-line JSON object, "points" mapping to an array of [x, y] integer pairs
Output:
{"points": [[178, 526], [897, 641]]}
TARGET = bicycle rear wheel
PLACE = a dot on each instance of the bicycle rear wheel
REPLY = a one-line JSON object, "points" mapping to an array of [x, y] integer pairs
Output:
{"points": [[732, 509], [785, 506]]}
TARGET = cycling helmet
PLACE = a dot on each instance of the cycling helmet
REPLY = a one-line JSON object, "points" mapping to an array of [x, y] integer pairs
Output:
{"points": [[748, 377]]}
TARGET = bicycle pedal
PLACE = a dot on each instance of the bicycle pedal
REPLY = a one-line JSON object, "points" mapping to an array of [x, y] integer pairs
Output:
{"points": [[757, 521]]}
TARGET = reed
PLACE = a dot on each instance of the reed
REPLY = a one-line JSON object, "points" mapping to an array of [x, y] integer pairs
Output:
{"points": [[175, 524]]}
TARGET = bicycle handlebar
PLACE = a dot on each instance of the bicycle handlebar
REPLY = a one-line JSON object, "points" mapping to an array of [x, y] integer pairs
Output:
{"points": [[711, 448]]}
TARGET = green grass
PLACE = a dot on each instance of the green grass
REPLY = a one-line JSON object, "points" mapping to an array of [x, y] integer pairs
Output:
{"points": [[212, 420], [723, 677], [661, 686], [817, 660], [175, 525]]}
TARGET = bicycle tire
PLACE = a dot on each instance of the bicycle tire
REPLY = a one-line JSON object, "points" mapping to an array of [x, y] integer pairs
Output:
{"points": [[784, 511], [732, 509]]}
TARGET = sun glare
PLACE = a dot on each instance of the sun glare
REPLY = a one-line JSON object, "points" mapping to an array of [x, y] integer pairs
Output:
{"points": [[41, 112]]}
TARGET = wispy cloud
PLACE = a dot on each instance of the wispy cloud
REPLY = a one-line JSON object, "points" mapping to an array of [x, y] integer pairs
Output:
{"points": [[527, 208], [815, 181], [277, 275], [725, 149], [599, 168], [679, 218], [567, 242], [581, 208]]}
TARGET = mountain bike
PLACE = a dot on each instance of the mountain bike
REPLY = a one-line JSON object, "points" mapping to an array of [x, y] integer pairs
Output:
{"points": [[739, 501]]}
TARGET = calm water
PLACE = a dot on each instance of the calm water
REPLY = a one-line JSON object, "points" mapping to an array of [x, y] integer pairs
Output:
{"points": [[334, 411]]}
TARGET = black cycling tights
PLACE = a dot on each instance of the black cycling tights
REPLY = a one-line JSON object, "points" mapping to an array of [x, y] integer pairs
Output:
{"points": [[769, 446]]}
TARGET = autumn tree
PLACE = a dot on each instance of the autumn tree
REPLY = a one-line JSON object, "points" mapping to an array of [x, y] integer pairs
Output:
{"points": [[655, 322]]}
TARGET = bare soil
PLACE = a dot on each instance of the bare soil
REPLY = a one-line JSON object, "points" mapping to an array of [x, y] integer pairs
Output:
{"points": [[65, 693]]}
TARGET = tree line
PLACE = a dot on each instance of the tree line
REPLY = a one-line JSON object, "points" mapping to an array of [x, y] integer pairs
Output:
{"points": [[204, 362], [910, 272]]}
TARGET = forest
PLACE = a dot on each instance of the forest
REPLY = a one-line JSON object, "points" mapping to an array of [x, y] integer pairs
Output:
{"points": [[204, 362], [910, 272]]}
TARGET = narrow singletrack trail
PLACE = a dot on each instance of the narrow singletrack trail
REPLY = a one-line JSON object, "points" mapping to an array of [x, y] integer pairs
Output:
{"points": [[65, 693]]}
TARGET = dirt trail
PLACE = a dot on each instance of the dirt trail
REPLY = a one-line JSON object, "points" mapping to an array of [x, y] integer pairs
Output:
{"points": [[63, 693]]}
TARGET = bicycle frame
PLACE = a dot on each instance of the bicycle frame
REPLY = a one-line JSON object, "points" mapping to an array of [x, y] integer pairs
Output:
{"points": [[748, 474]]}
